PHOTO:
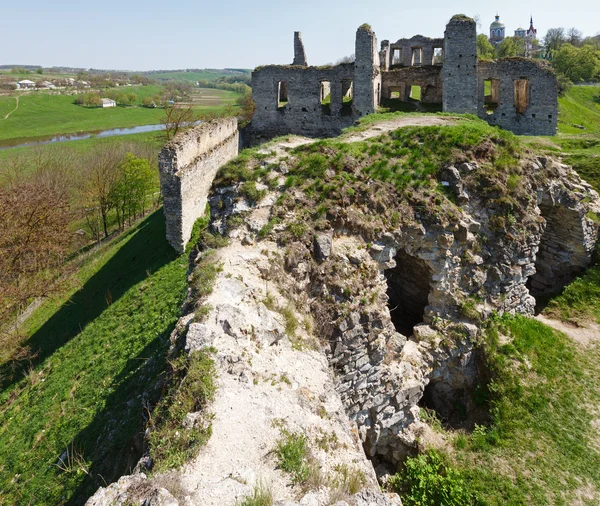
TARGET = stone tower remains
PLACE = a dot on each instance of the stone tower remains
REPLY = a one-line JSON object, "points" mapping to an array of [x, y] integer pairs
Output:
{"points": [[367, 76], [299, 52], [460, 66]]}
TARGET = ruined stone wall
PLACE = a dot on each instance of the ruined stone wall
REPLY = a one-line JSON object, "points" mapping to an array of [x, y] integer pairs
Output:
{"points": [[303, 112], [367, 78], [317, 101], [188, 165], [400, 80], [539, 98], [417, 50], [460, 66]]}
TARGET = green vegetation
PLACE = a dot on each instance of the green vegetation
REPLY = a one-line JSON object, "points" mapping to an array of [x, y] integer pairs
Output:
{"points": [[292, 455], [540, 445], [580, 106], [99, 347], [193, 385], [261, 496], [428, 480], [578, 139], [193, 76], [580, 301], [44, 114]]}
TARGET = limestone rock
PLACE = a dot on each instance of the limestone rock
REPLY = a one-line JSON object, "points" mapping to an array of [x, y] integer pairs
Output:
{"points": [[323, 245]]}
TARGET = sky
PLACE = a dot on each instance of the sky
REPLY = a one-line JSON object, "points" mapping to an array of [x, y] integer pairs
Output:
{"points": [[152, 34]]}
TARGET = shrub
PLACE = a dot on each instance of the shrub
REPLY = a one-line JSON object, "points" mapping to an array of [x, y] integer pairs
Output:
{"points": [[428, 480], [292, 454]]}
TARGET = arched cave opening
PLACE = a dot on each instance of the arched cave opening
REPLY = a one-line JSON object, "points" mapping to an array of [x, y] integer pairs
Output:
{"points": [[408, 291], [561, 256], [459, 397]]}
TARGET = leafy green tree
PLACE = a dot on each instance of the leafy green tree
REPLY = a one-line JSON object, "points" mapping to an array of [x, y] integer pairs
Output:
{"points": [[134, 181], [510, 47], [485, 49], [577, 63]]}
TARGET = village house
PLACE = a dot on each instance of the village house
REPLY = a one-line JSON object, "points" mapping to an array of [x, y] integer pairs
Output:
{"points": [[107, 102]]}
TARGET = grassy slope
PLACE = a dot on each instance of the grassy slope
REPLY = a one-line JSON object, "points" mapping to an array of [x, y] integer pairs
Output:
{"points": [[42, 114], [98, 352], [580, 148]]}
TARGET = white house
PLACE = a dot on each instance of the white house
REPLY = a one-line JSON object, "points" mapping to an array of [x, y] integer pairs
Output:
{"points": [[26, 84], [107, 102]]}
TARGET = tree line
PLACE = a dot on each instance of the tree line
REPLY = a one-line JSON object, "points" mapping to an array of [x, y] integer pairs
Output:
{"points": [[52, 203]]}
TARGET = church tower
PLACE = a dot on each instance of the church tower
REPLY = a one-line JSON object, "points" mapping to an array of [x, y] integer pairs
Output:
{"points": [[497, 31]]}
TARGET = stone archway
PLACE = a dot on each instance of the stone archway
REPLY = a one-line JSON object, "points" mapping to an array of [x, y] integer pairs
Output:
{"points": [[562, 253]]}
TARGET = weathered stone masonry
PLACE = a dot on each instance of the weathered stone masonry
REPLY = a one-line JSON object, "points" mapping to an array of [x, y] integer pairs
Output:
{"points": [[188, 165], [290, 99]]}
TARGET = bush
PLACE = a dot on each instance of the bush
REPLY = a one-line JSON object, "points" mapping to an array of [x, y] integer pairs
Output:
{"points": [[428, 480], [292, 453]]}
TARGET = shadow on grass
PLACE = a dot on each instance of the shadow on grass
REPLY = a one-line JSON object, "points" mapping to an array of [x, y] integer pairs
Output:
{"points": [[397, 105], [143, 253], [114, 440]]}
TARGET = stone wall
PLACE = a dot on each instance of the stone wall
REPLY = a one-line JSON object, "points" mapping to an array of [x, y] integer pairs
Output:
{"points": [[303, 112], [539, 113], [289, 98], [294, 99], [417, 50], [188, 165], [460, 66], [400, 81]]}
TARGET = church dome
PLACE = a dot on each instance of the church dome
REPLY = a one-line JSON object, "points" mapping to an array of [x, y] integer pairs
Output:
{"points": [[497, 24]]}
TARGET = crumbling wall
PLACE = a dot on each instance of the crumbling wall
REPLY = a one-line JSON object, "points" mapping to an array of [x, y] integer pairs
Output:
{"points": [[299, 52], [367, 79], [417, 50], [187, 165], [460, 66], [527, 96], [400, 80], [293, 99], [302, 112]]}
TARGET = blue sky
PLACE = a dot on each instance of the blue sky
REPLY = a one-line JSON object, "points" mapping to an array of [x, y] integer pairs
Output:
{"points": [[144, 35]]}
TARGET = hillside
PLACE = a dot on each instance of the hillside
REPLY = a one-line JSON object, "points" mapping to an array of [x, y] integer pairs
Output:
{"points": [[73, 417], [368, 253]]}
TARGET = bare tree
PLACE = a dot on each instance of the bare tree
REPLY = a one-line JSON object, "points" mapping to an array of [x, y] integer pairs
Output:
{"points": [[34, 240], [177, 118], [574, 36]]}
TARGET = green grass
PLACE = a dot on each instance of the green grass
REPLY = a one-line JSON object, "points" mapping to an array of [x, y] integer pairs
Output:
{"points": [[99, 349], [261, 495], [580, 301], [580, 106], [207, 74], [41, 114], [154, 139], [192, 388], [540, 447]]}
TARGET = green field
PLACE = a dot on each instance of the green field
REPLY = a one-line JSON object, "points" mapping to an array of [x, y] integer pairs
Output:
{"points": [[42, 114], [208, 75], [100, 346]]}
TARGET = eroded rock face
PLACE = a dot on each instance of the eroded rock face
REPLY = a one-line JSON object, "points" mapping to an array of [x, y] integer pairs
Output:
{"points": [[343, 335]]}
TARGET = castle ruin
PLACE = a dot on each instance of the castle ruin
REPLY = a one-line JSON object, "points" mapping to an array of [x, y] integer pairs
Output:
{"points": [[516, 94]]}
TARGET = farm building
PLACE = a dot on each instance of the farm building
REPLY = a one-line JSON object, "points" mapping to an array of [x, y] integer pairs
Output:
{"points": [[107, 102], [26, 84]]}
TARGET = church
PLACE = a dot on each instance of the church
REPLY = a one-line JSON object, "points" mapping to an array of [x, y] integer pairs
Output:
{"points": [[498, 34]]}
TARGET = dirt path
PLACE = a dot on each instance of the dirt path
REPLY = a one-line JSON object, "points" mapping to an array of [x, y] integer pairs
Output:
{"points": [[17, 99], [382, 127], [585, 336]]}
